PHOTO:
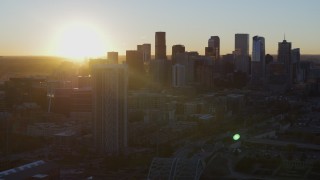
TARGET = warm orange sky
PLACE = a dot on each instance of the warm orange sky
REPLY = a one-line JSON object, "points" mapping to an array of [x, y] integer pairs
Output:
{"points": [[91, 28]]}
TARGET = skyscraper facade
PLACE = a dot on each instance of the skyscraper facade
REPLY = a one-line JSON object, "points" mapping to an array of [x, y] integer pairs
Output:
{"points": [[258, 67], [110, 108], [160, 45]]}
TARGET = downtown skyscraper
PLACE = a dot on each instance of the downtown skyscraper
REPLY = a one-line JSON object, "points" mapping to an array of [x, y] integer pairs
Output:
{"points": [[160, 45], [214, 47], [145, 50], [242, 44], [110, 108], [241, 52], [258, 64], [113, 57], [178, 48], [284, 57]]}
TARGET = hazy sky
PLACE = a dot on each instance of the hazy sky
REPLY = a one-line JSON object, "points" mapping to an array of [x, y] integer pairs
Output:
{"points": [[32, 27]]}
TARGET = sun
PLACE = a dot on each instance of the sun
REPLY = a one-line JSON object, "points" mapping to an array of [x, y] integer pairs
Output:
{"points": [[79, 41]]}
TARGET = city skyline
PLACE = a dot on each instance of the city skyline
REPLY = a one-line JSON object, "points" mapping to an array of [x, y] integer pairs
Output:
{"points": [[54, 28]]}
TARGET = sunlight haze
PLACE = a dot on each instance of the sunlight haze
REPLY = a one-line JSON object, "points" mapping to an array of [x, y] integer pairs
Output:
{"points": [[27, 27]]}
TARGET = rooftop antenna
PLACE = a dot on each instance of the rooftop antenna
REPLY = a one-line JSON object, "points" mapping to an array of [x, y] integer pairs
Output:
{"points": [[284, 36]]}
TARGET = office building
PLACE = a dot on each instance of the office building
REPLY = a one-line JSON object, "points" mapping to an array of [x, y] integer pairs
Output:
{"points": [[268, 59], [258, 60], [214, 46], [113, 57], [136, 70], [145, 50], [276, 77], [242, 59], [177, 49], [160, 46], [134, 60], [284, 56], [295, 58], [204, 71], [110, 108], [242, 44], [209, 51], [228, 63]]}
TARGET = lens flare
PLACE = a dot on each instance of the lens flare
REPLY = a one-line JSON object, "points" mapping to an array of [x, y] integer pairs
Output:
{"points": [[236, 137]]}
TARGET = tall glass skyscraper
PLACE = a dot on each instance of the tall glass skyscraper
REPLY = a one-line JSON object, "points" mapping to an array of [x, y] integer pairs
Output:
{"points": [[258, 49]]}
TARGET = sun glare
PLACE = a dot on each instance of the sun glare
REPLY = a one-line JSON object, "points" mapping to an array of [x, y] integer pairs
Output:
{"points": [[79, 41]]}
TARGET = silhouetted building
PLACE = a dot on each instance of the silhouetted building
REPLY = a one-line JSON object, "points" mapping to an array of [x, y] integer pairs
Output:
{"points": [[228, 63], [160, 46], [242, 44], [258, 61], [284, 56], [268, 59], [145, 50], [134, 59], [214, 43], [295, 58], [276, 77], [20, 90], [242, 59], [177, 49], [204, 71], [110, 108], [209, 51], [113, 57]]}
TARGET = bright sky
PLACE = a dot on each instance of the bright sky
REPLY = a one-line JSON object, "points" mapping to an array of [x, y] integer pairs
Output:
{"points": [[45, 27]]}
